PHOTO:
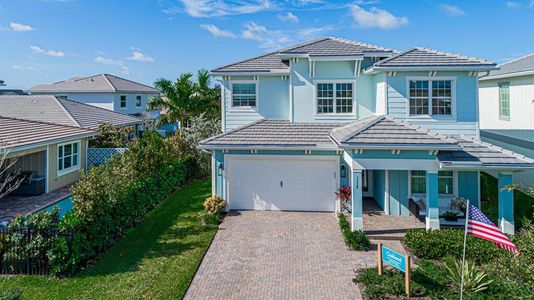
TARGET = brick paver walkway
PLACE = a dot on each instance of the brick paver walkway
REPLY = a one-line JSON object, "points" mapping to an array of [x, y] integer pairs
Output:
{"points": [[279, 255]]}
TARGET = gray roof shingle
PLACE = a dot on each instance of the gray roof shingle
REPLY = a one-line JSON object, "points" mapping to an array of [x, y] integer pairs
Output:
{"points": [[279, 133], [384, 131], [50, 109], [97, 83], [423, 57], [483, 154], [18, 133], [513, 68], [321, 47]]}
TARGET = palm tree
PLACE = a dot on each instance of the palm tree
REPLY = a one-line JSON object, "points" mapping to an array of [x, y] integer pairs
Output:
{"points": [[186, 98]]}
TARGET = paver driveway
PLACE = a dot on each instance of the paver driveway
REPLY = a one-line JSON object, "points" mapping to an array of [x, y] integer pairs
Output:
{"points": [[278, 255]]}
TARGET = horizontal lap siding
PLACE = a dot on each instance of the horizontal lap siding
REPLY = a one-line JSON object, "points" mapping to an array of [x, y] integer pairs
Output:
{"points": [[379, 187]]}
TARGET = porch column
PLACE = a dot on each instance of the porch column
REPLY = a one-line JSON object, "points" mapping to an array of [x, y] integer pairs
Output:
{"points": [[506, 203], [432, 203], [357, 206]]}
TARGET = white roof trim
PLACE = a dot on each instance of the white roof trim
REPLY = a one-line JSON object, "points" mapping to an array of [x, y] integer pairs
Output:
{"points": [[430, 68], [507, 75]]}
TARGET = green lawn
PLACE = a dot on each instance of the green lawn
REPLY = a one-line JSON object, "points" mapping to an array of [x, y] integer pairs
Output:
{"points": [[523, 204], [156, 259]]}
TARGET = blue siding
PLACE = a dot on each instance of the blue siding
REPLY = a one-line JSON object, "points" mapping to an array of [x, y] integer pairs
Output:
{"points": [[468, 186], [386, 154], [379, 187], [398, 193], [219, 186], [466, 103]]}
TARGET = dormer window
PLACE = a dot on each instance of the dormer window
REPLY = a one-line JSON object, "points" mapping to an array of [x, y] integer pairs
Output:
{"points": [[334, 97], [244, 94], [434, 97]]}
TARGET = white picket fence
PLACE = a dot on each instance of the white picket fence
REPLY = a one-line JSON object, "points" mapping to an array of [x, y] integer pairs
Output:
{"points": [[98, 156]]}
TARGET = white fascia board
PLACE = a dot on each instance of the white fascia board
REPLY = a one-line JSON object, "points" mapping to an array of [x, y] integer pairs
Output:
{"points": [[291, 55], [430, 68], [245, 73], [479, 166], [336, 58], [507, 75], [48, 142], [267, 147], [401, 147]]}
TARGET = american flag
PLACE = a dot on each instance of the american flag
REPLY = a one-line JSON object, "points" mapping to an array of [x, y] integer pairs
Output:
{"points": [[480, 226]]}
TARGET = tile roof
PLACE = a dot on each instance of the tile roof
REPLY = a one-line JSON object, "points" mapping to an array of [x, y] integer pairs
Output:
{"points": [[513, 68], [16, 133], [429, 57], [50, 109], [96, 83], [480, 153], [275, 133], [321, 47], [384, 131]]}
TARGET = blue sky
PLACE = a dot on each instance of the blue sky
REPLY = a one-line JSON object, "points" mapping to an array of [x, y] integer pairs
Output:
{"points": [[44, 41]]}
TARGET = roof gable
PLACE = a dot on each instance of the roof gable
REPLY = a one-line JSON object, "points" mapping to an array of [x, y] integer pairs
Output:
{"points": [[424, 57], [96, 83]]}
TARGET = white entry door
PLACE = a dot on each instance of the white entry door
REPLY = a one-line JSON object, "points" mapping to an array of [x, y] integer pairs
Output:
{"points": [[300, 183]]}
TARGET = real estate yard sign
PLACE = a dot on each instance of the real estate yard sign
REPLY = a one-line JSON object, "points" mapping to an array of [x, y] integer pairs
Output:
{"points": [[397, 261]]}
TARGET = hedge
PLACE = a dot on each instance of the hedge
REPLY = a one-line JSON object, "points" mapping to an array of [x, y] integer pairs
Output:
{"points": [[357, 240]]}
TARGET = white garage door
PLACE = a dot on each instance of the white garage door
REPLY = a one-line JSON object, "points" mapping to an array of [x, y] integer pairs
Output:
{"points": [[302, 183]]}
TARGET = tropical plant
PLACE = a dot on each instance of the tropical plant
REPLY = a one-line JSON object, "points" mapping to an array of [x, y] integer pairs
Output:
{"points": [[343, 194], [474, 279], [186, 98]]}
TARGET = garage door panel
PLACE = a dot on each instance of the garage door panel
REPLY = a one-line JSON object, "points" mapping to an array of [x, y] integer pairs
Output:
{"points": [[281, 184]]}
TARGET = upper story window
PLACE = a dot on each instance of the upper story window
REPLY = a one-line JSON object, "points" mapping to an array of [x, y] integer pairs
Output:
{"points": [[334, 98], [123, 101], [244, 95], [445, 182], [138, 101], [68, 157], [504, 100], [430, 97]]}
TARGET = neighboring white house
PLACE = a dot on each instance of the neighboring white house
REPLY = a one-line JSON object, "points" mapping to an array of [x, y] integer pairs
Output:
{"points": [[105, 91], [507, 109]]}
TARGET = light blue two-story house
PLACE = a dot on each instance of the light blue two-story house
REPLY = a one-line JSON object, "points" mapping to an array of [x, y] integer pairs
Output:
{"points": [[300, 122]]}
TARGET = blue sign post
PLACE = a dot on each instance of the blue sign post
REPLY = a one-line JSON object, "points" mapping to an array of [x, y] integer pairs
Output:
{"points": [[397, 261]]}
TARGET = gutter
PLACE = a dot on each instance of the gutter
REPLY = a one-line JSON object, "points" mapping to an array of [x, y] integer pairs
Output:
{"points": [[507, 75], [401, 147], [429, 68], [268, 147], [52, 141]]}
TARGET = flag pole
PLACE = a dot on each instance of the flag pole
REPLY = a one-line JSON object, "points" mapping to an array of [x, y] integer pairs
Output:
{"points": [[465, 246]]}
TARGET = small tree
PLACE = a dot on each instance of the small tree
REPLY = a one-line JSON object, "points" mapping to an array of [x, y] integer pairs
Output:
{"points": [[111, 136], [10, 176]]}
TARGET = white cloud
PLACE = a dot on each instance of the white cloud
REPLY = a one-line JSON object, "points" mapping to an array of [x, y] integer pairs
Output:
{"points": [[24, 68], [313, 32], [109, 61], [513, 5], [217, 32], [216, 8], [452, 10], [268, 39], [137, 55], [20, 27], [54, 53], [376, 17], [289, 17]]}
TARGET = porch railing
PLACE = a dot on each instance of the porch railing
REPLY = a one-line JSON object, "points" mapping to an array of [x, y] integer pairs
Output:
{"points": [[27, 250]]}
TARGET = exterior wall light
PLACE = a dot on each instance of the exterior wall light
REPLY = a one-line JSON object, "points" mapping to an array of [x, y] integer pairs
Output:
{"points": [[343, 171], [220, 169]]}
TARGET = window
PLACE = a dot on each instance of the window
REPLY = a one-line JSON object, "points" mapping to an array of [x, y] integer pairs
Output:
{"points": [[445, 182], [504, 100], [138, 101], [334, 98], [418, 182], [244, 94], [123, 101], [430, 97], [68, 157]]}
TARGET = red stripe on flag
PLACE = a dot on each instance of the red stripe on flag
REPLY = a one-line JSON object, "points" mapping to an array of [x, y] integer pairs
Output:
{"points": [[483, 235]]}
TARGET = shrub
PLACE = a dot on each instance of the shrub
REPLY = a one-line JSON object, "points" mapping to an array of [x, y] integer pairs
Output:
{"points": [[10, 294], [357, 240], [437, 244], [474, 279], [208, 219], [110, 136], [213, 205]]}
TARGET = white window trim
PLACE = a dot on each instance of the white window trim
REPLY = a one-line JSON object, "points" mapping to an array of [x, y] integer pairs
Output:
{"points": [[140, 102], [243, 108], [430, 116], [71, 168], [125, 102], [501, 117], [334, 115], [440, 196]]}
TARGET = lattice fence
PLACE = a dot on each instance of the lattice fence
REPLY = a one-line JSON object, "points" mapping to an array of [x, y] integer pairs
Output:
{"points": [[98, 156]]}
